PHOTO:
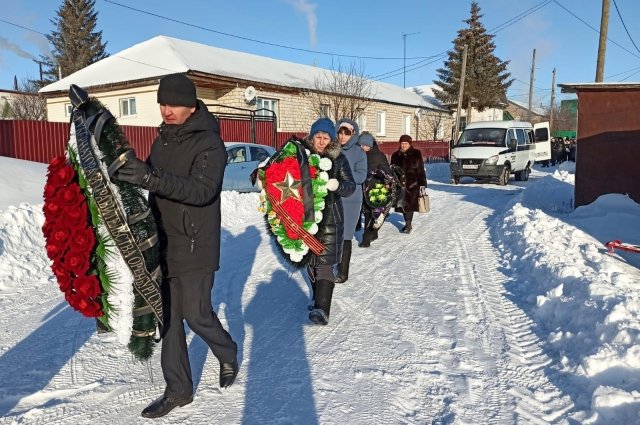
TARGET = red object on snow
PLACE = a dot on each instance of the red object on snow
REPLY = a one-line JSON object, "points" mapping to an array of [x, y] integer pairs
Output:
{"points": [[613, 245]]}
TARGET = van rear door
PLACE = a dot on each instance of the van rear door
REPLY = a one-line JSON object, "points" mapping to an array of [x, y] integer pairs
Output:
{"points": [[543, 141]]}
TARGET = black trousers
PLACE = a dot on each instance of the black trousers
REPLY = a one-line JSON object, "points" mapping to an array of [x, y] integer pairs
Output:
{"points": [[189, 298]]}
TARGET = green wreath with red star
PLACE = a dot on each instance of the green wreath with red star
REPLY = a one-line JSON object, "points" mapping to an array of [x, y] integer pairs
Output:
{"points": [[294, 186]]}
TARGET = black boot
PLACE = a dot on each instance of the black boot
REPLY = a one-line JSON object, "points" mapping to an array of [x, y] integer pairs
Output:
{"points": [[312, 279], [165, 405], [324, 292], [228, 373], [366, 238], [343, 267]]}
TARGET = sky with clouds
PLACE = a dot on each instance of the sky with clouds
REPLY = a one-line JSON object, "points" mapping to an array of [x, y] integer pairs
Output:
{"points": [[335, 33]]}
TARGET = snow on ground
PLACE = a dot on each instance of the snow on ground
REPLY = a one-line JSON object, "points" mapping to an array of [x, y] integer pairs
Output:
{"points": [[501, 307]]}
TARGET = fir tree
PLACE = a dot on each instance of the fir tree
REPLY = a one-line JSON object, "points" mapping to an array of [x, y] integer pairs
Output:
{"points": [[75, 41], [486, 80]]}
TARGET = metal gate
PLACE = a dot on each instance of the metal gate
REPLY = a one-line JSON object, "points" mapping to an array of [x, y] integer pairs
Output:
{"points": [[246, 125]]}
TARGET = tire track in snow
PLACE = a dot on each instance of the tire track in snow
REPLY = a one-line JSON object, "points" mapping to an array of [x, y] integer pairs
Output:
{"points": [[536, 399]]}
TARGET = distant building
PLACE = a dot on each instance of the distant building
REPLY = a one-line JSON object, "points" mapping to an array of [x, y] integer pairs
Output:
{"points": [[126, 82], [6, 99], [608, 143], [489, 114], [27, 105], [566, 123], [519, 111]]}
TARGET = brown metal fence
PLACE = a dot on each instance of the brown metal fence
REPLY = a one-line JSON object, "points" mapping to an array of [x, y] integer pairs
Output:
{"points": [[431, 150], [40, 141]]}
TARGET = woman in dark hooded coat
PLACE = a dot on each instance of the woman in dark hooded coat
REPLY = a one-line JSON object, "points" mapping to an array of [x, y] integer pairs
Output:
{"points": [[410, 160], [322, 141], [376, 160]]}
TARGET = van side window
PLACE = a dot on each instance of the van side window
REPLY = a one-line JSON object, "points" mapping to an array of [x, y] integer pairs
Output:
{"points": [[530, 137], [512, 135], [521, 137]]}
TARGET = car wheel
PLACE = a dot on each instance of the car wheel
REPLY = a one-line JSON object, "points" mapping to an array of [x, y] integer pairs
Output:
{"points": [[527, 173], [519, 175], [503, 180]]}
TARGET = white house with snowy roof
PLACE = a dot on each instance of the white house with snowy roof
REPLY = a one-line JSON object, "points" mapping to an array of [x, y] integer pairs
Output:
{"points": [[126, 83]]}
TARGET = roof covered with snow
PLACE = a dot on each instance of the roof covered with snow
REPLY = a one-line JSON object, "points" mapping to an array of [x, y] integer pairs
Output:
{"points": [[576, 87], [163, 55], [426, 91], [535, 110]]}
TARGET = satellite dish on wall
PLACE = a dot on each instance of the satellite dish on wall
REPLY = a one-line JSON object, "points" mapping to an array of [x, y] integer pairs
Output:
{"points": [[249, 94]]}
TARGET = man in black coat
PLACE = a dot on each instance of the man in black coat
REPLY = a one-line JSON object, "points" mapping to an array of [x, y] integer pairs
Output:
{"points": [[183, 175]]}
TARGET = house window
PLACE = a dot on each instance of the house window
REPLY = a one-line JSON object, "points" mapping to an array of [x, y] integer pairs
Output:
{"points": [[380, 124], [263, 106], [361, 119], [406, 124], [463, 123], [68, 109], [324, 110], [128, 107]]}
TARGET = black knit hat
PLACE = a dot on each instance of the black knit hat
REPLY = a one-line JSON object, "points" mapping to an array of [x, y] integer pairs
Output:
{"points": [[177, 90]]}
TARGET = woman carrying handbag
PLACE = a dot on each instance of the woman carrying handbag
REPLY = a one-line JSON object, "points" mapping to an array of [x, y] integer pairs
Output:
{"points": [[410, 161]]}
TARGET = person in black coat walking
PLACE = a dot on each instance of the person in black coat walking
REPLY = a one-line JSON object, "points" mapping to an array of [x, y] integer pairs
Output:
{"points": [[410, 160], [376, 160], [322, 141], [183, 175]]}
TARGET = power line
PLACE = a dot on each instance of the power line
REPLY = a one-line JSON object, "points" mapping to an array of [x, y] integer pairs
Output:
{"points": [[299, 49], [620, 73], [24, 28], [595, 29], [516, 18], [625, 79], [625, 26], [499, 28]]}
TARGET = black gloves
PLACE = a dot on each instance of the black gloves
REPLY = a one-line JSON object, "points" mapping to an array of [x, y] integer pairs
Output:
{"points": [[136, 172]]}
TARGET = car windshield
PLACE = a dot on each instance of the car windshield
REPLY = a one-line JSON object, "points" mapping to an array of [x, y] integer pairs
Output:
{"points": [[482, 137]]}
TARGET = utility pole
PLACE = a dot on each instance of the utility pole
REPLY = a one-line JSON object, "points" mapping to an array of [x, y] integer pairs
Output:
{"points": [[602, 46], [533, 68], [404, 57], [553, 99], [463, 74]]}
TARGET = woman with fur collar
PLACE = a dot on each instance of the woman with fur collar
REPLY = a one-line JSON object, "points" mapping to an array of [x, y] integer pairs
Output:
{"points": [[322, 141], [410, 160]]}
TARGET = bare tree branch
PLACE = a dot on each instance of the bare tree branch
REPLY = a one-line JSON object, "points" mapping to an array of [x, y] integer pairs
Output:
{"points": [[29, 105], [431, 124], [339, 93]]}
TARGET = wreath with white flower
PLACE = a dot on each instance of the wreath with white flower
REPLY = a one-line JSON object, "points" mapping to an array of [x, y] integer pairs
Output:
{"points": [[100, 234], [294, 186]]}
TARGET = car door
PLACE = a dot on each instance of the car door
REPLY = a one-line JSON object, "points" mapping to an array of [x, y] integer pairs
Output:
{"points": [[236, 176], [522, 150], [543, 141]]}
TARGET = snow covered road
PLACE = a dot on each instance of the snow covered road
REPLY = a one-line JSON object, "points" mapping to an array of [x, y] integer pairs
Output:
{"points": [[423, 332]]}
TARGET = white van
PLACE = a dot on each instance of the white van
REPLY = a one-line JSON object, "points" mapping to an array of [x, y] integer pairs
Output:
{"points": [[498, 149]]}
